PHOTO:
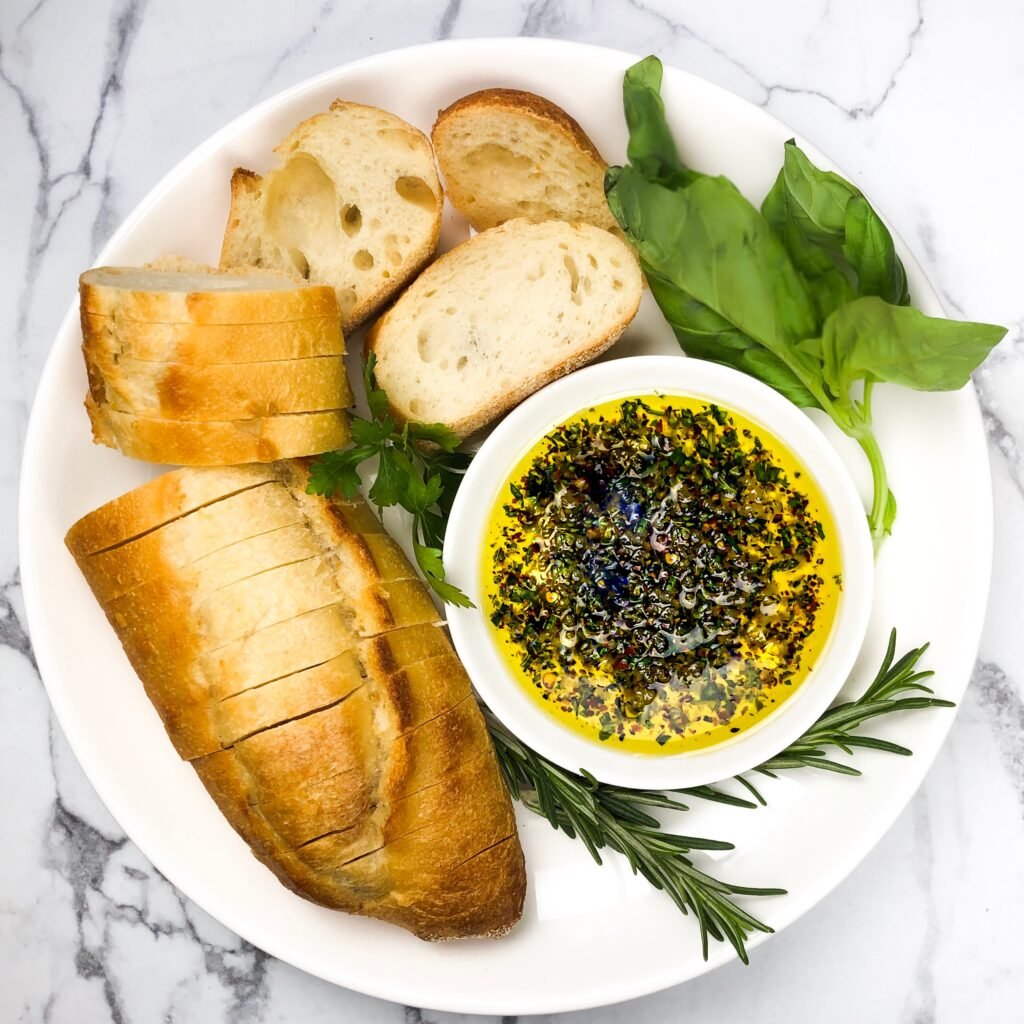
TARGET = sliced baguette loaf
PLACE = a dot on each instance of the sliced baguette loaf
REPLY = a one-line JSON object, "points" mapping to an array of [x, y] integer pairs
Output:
{"points": [[356, 204], [505, 153], [216, 406], [499, 317], [350, 754]]}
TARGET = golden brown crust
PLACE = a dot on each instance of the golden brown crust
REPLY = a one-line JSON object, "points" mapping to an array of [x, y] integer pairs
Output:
{"points": [[506, 153], [527, 104], [216, 406], [218, 442], [223, 391], [160, 501], [214, 344], [284, 699], [111, 291], [344, 746]]}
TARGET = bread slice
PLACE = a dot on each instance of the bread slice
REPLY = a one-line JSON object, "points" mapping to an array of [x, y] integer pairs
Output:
{"points": [[505, 153], [213, 344], [499, 317], [359, 770], [221, 391], [190, 297], [356, 204], [218, 442]]}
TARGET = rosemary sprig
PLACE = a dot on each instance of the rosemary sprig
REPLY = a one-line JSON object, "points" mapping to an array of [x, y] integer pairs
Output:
{"points": [[885, 696], [611, 817]]}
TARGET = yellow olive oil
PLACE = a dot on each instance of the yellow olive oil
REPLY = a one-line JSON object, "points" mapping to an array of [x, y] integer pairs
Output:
{"points": [[660, 573]]}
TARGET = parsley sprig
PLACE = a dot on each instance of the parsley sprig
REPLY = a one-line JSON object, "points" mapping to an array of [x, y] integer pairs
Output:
{"points": [[418, 469], [611, 817]]}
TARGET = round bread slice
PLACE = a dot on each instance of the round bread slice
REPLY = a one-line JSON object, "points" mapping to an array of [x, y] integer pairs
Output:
{"points": [[505, 153], [499, 317], [356, 204], [190, 297], [218, 442]]}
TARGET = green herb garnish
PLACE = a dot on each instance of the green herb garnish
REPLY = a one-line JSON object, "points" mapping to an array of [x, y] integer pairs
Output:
{"points": [[418, 469], [807, 294], [609, 817], [613, 818]]}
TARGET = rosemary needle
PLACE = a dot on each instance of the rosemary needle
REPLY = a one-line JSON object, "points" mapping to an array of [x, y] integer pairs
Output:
{"points": [[610, 817]]}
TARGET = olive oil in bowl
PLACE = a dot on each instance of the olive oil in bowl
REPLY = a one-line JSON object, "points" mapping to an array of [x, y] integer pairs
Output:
{"points": [[660, 573]]}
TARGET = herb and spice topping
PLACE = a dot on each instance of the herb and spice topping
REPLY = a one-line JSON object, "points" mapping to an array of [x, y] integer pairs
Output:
{"points": [[660, 573]]}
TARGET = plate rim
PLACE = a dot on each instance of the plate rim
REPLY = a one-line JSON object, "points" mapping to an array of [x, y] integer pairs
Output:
{"points": [[393, 990]]}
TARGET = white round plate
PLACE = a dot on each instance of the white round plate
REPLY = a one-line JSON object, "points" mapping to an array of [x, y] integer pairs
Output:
{"points": [[816, 828]]}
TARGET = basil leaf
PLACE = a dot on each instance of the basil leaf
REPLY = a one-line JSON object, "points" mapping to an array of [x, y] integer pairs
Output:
{"points": [[651, 148], [702, 333], [833, 235], [869, 249], [869, 339], [827, 282], [708, 241]]}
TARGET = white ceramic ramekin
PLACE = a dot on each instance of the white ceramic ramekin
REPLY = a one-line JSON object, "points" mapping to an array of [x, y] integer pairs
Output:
{"points": [[464, 551]]}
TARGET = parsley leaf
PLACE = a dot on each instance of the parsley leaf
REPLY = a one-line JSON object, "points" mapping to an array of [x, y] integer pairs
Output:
{"points": [[336, 472]]}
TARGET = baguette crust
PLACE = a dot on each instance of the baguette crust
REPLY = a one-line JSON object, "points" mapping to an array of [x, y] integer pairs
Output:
{"points": [[507, 153], [238, 391], [315, 694], [213, 344], [216, 442], [160, 501], [216, 297], [525, 104]]}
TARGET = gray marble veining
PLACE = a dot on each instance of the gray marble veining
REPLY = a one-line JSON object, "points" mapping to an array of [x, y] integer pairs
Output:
{"points": [[919, 99]]}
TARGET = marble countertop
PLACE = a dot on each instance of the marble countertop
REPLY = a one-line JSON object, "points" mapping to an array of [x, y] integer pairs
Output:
{"points": [[919, 99]]}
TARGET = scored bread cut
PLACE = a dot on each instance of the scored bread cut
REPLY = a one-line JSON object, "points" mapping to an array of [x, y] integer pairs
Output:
{"points": [[356, 204], [506, 153], [343, 743], [201, 297], [500, 316]]}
